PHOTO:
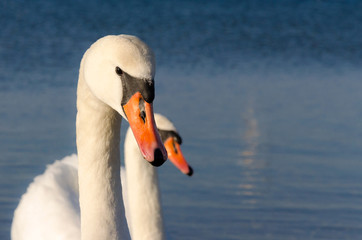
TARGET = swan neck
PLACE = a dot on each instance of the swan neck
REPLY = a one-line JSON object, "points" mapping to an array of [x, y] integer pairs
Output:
{"points": [[143, 194], [98, 139]]}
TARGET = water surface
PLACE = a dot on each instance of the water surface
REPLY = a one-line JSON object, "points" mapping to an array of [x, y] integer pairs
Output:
{"points": [[266, 97]]}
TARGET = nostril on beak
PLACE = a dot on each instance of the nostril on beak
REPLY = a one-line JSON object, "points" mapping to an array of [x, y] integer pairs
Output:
{"points": [[158, 158], [143, 116]]}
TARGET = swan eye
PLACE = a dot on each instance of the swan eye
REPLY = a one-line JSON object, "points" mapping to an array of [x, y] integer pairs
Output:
{"points": [[119, 71]]}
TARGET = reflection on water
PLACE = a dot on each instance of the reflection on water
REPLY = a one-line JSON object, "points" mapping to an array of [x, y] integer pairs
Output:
{"points": [[250, 162]]}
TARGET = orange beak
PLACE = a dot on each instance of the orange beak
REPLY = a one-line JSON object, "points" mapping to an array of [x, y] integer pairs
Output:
{"points": [[176, 157], [141, 120]]}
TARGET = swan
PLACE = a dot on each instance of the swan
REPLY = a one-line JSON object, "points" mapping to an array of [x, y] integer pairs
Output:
{"points": [[141, 191], [115, 80]]}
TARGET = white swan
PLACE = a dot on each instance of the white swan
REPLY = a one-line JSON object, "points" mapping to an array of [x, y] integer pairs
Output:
{"points": [[115, 78], [142, 196]]}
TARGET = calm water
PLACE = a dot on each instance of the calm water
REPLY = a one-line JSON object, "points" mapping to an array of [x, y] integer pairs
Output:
{"points": [[267, 98]]}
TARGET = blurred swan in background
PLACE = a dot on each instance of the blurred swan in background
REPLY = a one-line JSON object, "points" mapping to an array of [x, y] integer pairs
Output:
{"points": [[141, 194]]}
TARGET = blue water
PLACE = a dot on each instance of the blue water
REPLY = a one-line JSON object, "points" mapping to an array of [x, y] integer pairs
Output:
{"points": [[267, 97]]}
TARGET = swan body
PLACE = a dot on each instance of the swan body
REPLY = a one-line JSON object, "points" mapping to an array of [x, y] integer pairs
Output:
{"points": [[52, 199], [50, 207], [115, 81]]}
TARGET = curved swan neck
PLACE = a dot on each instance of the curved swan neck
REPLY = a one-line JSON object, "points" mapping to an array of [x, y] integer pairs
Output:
{"points": [[143, 194], [98, 138]]}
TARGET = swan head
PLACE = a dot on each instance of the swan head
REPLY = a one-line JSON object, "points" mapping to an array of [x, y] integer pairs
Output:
{"points": [[172, 141], [119, 71]]}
